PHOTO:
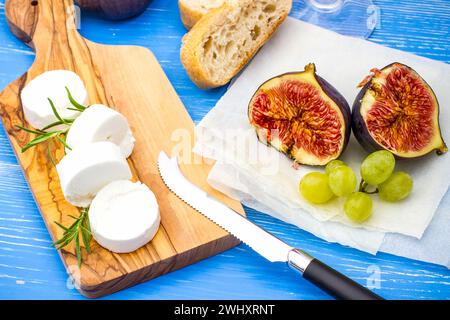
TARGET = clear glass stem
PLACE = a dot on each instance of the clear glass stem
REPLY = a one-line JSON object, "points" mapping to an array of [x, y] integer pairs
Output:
{"points": [[356, 18], [326, 5]]}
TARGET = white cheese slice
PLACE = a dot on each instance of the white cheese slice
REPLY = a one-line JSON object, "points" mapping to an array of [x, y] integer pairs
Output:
{"points": [[100, 123], [87, 169], [124, 216], [51, 84]]}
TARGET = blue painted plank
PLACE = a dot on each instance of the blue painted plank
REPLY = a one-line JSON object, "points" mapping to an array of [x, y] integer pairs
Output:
{"points": [[30, 268]]}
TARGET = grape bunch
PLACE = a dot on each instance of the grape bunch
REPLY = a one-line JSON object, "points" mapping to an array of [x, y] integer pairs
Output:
{"points": [[377, 177]]}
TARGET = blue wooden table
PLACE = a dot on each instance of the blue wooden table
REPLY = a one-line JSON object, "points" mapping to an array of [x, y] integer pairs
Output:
{"points": [[31, 268]]}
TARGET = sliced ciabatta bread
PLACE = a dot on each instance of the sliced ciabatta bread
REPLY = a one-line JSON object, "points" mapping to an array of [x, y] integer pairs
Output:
{"points": [[192, 10], [226, 38]]}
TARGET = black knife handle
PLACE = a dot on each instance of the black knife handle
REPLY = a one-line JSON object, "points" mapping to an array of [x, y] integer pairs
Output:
{"points": [[328, 279], [335, 283]]}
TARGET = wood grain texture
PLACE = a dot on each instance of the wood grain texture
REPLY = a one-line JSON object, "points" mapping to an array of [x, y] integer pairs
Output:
{"points": [[31, 269], [130, 80]]}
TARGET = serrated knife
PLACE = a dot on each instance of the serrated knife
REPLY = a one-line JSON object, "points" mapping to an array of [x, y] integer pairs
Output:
{"points": [[267, 245]]}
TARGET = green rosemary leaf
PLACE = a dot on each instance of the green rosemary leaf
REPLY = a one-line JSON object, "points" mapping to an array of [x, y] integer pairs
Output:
{"points": [[29, 130], [79, 228], [55, 112], [50, 153], [56, 243], [73, 227], [86, 235], [39, 139], [51, 125], [87, 229], [78, 249], [66, 242], [73, 109], [43, 137], [63, 142], [60, 225], [77, 105], [28, 146]]}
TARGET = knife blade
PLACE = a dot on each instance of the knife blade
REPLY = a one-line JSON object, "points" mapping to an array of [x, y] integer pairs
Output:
{"points": [[264, 243]]}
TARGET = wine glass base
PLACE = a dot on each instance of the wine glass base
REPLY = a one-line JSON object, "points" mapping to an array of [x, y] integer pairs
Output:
{"points": [[356, 18]]}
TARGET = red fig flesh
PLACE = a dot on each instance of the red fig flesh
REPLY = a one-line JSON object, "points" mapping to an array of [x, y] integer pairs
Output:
{"points": [[301, 115], [398, 111]]}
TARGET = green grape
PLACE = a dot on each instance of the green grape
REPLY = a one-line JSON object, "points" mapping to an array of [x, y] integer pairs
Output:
{"points": [[342, 181], [397, 187], [358, 207], [333, 165], [377, 167], [314, 188]]}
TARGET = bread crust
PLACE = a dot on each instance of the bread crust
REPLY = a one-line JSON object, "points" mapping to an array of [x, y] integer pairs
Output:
{"points": [[189, 16], [192, 42]]}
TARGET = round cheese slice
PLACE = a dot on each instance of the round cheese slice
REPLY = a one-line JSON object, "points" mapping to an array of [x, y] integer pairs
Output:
{"points": [[124, 216], [51, 84], [100, 123], [87, 169]]}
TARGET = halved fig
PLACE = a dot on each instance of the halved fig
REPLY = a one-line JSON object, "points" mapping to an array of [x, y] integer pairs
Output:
{"points": [[302, 115], [397, 110]]}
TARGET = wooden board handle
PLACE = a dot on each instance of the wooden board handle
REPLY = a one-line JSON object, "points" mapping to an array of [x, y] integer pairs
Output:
{"points": [[35, 22]]}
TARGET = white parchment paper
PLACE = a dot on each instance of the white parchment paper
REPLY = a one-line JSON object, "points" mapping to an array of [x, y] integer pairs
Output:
{"points": [[267, 181]]}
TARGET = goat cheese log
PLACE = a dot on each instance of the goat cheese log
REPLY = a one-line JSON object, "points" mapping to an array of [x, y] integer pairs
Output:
{"points": [[100, 123], [87, 169], [51, 84], [124, 216]]}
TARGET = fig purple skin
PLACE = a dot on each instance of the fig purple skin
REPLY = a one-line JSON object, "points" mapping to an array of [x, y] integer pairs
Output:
{"points": [[341, 103], [359, 127]]}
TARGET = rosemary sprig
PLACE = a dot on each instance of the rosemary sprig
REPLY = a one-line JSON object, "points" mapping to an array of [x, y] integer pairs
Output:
{"points": [[55, 112], [78, 229], [39, 139], [43, 135], [48, 136], [78, 106]]}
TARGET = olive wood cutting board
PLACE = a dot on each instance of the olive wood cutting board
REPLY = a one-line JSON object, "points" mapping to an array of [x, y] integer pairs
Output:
{"points": [[130, 80]]}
